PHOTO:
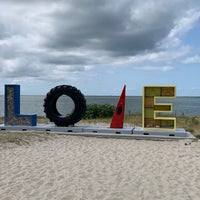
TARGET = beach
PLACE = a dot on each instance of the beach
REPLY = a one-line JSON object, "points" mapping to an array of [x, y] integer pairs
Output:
{"points": [[80, 168]]}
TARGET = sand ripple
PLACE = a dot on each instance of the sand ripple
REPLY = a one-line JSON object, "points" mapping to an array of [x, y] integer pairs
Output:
{"points": [[78, 168]]}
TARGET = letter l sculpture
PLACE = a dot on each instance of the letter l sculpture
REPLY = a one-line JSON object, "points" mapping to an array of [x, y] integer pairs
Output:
{"points": [[12, 108]]}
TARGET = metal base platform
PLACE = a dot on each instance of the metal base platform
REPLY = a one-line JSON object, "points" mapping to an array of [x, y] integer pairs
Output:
{"points": [[106, 132]]}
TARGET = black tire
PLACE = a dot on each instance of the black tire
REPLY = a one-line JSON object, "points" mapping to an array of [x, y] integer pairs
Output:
{"points": [[51, 111]]}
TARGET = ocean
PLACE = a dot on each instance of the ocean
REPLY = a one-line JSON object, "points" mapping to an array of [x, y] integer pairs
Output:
{"points": [[33, 104]]}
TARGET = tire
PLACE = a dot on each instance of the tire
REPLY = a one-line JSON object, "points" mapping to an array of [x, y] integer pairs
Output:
{"points": [[51, 111]]}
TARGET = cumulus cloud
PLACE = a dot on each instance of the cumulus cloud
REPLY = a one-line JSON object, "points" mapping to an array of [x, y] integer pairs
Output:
{"points": [[185, 23], [65, 36], [155, 68], [194, 59], [121, 28]]}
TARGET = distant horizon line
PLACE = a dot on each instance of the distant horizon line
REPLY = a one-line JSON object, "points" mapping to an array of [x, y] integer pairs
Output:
{"points": [[108, 95]]}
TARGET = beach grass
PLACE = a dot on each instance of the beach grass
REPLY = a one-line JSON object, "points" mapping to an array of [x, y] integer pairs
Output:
{"points": [[191, 124]]}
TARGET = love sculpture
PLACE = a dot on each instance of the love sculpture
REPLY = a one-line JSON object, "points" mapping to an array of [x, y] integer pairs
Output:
{"points": [[149, 116], [154, 124]]}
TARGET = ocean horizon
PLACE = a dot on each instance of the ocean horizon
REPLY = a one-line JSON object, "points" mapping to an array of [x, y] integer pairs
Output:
{"points": [[33, 104]]}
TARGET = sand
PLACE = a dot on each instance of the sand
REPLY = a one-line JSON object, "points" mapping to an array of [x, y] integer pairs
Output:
{"points": [[80, 168]]}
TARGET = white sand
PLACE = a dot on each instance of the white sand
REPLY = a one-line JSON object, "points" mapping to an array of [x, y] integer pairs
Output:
{"points": [[79, 168]]}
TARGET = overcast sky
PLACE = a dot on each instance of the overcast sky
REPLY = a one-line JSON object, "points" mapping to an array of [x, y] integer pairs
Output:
{"points": [[100, 45]]}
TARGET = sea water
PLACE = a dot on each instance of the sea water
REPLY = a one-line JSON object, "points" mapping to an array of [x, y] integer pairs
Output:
{"points": [[33, 104]]}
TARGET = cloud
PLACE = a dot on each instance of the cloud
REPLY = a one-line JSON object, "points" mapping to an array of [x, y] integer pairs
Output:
{"points": [[155, 68], [122, 28], [185, 23], [192, 60], [49, 39], [160, 56], [3, 33]]}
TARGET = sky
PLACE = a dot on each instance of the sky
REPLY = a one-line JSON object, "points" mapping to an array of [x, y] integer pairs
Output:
{"points": [[99, 46]]}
